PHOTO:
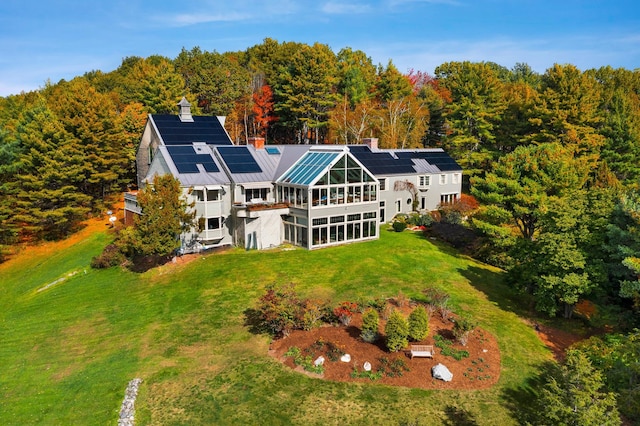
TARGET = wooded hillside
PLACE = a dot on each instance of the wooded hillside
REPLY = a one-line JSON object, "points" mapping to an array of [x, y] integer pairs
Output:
{"points": [[553, 157]]}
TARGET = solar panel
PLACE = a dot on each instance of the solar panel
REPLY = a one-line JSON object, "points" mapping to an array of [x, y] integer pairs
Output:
{"points": [[441, 160], [381, 163], [203, 129], [238, 159], [186, 159]]}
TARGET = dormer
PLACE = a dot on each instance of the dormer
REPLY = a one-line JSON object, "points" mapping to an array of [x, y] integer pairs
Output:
{"points": [[185, 111]]}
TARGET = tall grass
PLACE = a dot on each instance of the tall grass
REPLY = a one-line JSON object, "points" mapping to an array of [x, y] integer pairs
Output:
{"points": [[67, 352]]}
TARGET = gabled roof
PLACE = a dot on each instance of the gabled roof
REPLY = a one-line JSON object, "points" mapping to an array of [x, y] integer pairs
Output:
{"points": [[173, 131], [312, 165]]}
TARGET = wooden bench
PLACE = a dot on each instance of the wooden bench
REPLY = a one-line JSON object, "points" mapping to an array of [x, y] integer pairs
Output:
{"points": [[424, 351]]}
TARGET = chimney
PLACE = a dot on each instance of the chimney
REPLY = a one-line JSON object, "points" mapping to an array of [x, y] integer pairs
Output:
{"points": [[256, 141], [185, 111], [372, 143]]}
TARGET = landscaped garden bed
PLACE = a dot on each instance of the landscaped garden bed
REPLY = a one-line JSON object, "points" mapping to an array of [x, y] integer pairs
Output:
{"points": [[474, 366]]}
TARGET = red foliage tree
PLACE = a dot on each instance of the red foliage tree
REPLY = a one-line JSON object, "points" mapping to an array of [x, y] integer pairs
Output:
{"points": [[263, 109]]}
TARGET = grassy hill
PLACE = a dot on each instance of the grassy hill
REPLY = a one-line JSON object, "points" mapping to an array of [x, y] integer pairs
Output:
{"points": [[73, 337]]}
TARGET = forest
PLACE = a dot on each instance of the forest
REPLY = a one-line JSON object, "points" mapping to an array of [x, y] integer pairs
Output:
{"points": [[552, 158]]}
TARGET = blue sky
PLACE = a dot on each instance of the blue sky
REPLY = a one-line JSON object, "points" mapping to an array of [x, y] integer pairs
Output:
{"points": [[56, 39]]}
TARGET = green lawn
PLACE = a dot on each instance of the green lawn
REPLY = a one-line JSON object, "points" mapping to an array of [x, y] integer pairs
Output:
{"points": [[68, 351]]}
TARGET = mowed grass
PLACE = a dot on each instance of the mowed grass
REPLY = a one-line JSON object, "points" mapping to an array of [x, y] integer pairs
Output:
{"points": [[68, 351]]}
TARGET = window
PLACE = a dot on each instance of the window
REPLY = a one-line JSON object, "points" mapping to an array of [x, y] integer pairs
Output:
{"points": [[336, 219], [448, 198], [198, 194], [455, 178], [353, 217], [213, 195], [443, 179], [320, 221], [398, 206], [214, 223], [383, 184], [425, 181], [256, 193], [370, 215]]}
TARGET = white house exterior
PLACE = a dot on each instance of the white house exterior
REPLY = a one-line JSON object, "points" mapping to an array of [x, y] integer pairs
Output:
{"points": [[311, 196]]}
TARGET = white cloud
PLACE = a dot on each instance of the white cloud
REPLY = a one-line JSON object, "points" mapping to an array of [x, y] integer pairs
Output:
{"points": [[337, 8], [186, 19]]}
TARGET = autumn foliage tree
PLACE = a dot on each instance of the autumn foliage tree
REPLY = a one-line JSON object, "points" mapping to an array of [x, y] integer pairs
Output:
{"points": [[263, 113]]}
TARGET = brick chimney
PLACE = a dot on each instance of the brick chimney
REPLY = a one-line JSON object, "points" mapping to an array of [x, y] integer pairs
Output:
{"points": [[185, 111], [256, 141], [372, 143]]}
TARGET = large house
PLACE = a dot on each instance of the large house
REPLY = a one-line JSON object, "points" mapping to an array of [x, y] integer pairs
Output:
{"points": [[312, 196]]}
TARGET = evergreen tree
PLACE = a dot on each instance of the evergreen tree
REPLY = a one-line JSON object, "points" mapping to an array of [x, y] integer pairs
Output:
{"points": [[48, 203], [396, 331], [418, 323], [475, 110], [573, 396], [164, 217], [305, 92]]}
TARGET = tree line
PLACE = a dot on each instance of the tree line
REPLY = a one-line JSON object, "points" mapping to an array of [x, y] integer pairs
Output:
{"points": [[553, 157]]}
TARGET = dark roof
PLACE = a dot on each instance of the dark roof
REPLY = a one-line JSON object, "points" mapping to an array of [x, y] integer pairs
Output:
{"points": [[381, 163], [203, 129], [440, 159], [187, 159]]}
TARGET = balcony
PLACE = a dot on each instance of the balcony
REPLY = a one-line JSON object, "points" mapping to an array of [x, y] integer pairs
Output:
{"points": [[256, 209]]}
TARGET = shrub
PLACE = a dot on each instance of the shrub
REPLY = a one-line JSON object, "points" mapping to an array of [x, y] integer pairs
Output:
{"points": [[395, 368], [416, 219], [345, 311], [370, 321], [110, 256], [439, 299], [396, 330], [387, 310], [398, 226], [418, 323], [278, 309], [462, 328], [311, 314]]}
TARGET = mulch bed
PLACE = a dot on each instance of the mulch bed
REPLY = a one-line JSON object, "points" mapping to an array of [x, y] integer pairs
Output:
{"points": [[480, 370]]}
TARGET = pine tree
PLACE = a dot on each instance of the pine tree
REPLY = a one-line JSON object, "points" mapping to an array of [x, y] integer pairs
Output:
{"points": [[164, 217], [573, 396]]}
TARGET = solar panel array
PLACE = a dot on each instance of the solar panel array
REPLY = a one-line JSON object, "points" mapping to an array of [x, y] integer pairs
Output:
{"points": [[440, 159], [203, 129], [186, 159], [381, 163], [238, 159]]}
